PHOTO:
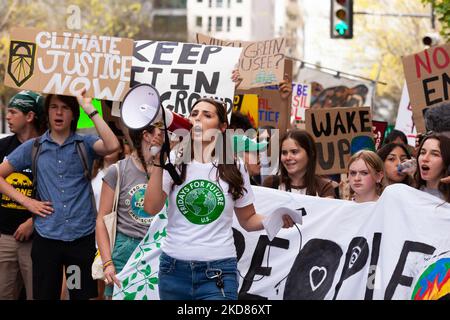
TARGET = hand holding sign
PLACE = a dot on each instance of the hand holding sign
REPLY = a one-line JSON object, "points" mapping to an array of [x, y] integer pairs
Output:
{"points": [[285, 87], [85, 102], [236, 77]]}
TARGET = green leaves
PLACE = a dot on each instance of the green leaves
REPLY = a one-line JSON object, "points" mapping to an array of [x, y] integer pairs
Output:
{"points": [[153, 280], [130, 296], [125, 282], [147, 271]]}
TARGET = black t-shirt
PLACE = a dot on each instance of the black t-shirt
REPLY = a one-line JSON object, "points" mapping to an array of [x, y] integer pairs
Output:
{"points": [[13, 214]]}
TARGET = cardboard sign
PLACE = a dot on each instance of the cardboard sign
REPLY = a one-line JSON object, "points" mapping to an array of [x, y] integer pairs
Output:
{"points": [[301, 99], [379, 130], [427, 75], [338, 132], [185, 72], [261, 62], [247, 104], [405, 121], [273, 111], [66, 62]]}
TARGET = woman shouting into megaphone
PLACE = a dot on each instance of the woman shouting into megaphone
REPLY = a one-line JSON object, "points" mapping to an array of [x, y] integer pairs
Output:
{"points": [[198, 259]]}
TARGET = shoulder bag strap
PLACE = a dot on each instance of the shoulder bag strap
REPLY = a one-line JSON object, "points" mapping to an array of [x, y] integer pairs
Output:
{"points": [[117, 191]]}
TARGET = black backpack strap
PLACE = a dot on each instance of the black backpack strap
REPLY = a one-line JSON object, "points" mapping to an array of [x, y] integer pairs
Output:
{"points": [[35, 149], [81, 150]]}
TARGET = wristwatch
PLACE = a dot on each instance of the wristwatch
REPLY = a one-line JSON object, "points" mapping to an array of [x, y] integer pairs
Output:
{"points": [[93, 113]]}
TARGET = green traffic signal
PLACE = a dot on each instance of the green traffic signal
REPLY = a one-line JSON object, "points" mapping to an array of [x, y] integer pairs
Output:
{"points": [[341, 28], [341, 19]]}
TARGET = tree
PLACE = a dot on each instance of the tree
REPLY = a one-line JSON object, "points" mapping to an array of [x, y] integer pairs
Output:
{"points": [[442, 10], [124, 18], [381, 41]]}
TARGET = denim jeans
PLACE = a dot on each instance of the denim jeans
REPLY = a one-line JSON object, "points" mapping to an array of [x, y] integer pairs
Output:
{"points": [[196, 280]]}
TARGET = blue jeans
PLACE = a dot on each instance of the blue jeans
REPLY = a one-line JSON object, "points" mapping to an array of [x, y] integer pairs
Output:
{"points": [[195, 280]]}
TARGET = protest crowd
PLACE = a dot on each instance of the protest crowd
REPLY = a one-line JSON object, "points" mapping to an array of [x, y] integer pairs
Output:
{"points": [[60, 183]]}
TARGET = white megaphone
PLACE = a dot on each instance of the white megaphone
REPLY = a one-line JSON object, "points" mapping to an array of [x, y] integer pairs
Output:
{"points": [[142, 106]]}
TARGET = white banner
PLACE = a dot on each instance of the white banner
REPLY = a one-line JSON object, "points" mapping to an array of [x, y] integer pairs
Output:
{"points": [[185, 72], [396, 248], [405, 121]]}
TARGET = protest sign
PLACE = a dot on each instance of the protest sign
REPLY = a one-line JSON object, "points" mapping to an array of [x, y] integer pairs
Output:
{"points": [[379, 132], [301, 100], [394, 249], [338, 132], [261, 62], [66, 62], [427, 76], [273, 109], [405, 121], [184, 72], [247, 104]]}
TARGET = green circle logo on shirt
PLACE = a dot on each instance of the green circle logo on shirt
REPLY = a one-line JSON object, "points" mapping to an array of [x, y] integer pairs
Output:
{"points": [[201, 201]]}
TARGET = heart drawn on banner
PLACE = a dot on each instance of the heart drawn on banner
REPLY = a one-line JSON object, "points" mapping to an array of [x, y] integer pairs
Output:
{"points": [[317, 276]]}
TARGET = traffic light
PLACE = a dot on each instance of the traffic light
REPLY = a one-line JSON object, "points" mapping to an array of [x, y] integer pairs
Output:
{"points": [[341, 19]]}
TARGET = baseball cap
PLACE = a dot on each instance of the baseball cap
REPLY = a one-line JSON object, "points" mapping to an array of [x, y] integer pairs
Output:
{"points": [[243, 143], [27, 101]]}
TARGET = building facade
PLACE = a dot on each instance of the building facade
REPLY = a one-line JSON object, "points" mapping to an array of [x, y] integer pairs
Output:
{"points": [[246, 20]]}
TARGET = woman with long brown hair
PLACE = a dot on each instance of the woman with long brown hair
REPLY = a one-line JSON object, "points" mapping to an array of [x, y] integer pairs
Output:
{"points": [[198, 259], [433, 157], [297, 171], [132, 221]]}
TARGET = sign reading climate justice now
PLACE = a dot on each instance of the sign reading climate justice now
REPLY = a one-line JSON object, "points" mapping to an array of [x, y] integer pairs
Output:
{"points": [[184, 72], [427, 76], [261, 62], [66, 62], [337, 132]]}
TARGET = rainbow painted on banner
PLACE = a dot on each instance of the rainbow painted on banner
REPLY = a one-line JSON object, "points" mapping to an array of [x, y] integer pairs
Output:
{"points": [[434, 283]]}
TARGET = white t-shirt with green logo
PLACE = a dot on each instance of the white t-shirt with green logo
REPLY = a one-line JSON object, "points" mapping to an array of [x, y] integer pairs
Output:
{"points": [[200, 214]]}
